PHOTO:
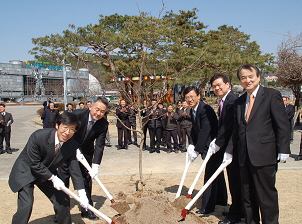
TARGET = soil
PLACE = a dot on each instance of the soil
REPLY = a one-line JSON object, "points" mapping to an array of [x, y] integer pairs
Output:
{"points": [[155, 204]]}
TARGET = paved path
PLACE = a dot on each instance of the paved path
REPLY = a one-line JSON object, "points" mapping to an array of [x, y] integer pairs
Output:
{"points": [[115, 162]]}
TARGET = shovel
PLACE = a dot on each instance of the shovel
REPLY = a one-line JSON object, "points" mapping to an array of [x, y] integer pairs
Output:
{"points": [[203, 165], [120, 207], [206, 185], [91, 208], [188, 162]]}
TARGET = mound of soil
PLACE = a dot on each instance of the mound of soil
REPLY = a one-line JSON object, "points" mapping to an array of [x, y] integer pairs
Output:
{"points": [[156, 210]]}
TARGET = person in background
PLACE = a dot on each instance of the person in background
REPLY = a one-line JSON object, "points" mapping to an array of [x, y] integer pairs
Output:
{"points": [[132, 124], [300, 152], [69, 108], [37, 165], [91, 139], [185, 123], [122, 124], [290, 111], [145, 120], [46, 103], [163, 141], [260, 139], [49, 116], [6, 120], [88, 104], [179, 107], [170, 119], [154, 115], [81, 105]]}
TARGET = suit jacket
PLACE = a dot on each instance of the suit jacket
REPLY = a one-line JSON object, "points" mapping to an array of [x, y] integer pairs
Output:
{"points": [[290, 111], [45, 104], [46, 116], [36, 162], [185, 121], [155, 118], [92, 145], [265, 134], [226, 121], [4, 126], [123, 116], [170, 123], [204, 127]]}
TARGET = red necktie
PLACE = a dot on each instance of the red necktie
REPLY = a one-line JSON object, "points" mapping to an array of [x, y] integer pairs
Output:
{"points": [[249, 109]]}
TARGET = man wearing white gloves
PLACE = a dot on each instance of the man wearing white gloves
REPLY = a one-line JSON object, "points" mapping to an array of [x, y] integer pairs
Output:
{"points": [[37, 164], [260, 138], [222, 89], [204, 130], [91, 138]]}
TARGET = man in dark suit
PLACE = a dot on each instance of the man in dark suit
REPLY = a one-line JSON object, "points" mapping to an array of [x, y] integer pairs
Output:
{"points": [[91, 137], [6, 119], [37, 164], [260, 137], [204, 130], [185, 124], [290, 111], [49, 116], [46, 103], [154, 114], [222, 88], [123, 112]]}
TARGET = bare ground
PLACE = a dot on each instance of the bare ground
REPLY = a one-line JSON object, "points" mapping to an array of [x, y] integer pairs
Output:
{"points": [[154, 205]]}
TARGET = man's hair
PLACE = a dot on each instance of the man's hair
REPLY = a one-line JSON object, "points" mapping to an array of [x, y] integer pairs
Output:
{"points": [[154, 100], [2, 104], [68, 104], [224, 77], [249, 67], [287, 97], [68, 119], [81, 103], [190, 88], [101, 99]]}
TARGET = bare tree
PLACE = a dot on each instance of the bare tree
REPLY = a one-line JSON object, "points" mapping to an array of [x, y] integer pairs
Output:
{"points": [[289, 67]]}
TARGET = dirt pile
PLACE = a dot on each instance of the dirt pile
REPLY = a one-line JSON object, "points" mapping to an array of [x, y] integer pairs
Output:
{"points": [[156, 210]]}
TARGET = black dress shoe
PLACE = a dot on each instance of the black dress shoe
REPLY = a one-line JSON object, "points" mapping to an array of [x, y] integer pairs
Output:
{"points": [[2, 152], [152, 150], [9, 152], [157, 150], [229, 221], [203, 211], [107, 145], [55, 219], [130, 143], [89, 215], [298, 158]]}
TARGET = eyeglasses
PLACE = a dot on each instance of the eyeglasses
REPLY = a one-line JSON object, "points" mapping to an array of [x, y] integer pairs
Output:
{"points": [[65, 129], [190, 97]]}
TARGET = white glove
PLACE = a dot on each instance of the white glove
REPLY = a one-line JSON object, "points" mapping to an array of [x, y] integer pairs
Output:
{"points": [[57, 182], [94, 170], [84, 202], [190, 149], [227, 158], [282, 157], [193, 155], [213, 148]]}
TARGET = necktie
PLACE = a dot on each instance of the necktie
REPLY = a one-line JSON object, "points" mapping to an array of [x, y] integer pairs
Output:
{"points": [[249, 109], [89, 126], [57, 149], [220, 106], [194, 114]]}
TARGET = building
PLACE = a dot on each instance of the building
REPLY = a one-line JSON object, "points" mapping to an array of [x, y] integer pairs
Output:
{"points": [[35, 81]]}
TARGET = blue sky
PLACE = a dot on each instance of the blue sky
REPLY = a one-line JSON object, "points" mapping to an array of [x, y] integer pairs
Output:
{"points": [[267, 21]]}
